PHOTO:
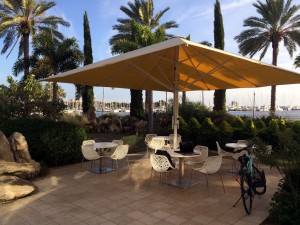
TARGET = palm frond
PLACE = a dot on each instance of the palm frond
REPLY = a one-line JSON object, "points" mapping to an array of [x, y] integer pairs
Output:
{"points": [[123, 46], [297, 61]]}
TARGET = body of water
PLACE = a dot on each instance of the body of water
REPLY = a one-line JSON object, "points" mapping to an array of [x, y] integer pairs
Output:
{"points": [[288, 115]]}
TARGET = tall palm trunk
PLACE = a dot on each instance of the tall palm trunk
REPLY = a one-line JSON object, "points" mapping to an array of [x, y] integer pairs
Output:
{"points": [[150, 112], [273, 88], [26, 55], [55, 92]]}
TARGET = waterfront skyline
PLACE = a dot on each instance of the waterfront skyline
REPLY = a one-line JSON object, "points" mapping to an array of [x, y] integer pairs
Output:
{"points": [[196, 21]]}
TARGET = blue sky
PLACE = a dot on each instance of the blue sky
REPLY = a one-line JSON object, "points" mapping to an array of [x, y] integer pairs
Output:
{"points": [[194, 17]]}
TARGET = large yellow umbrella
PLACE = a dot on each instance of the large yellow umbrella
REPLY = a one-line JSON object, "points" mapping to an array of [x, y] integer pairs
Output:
{"points": [[178, 65]]}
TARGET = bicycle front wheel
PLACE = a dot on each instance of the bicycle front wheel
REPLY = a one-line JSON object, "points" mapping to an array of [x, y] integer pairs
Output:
{"points": [[247, 194]]}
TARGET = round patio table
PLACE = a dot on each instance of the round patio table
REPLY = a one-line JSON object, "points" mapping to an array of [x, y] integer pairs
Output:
{"points": [[104, 150]]}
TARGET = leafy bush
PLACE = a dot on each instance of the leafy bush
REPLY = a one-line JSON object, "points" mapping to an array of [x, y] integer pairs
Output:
{"points": [[193, 131], [249, 131], [208, 134], [237, 123], [225, 133], [55, 143], [272, 133], [259, 124], [283, 209], [192, 109], [285, 205], [183, 127], [28, 98]]}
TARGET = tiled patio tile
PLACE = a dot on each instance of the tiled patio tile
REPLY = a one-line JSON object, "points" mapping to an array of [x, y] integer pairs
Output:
{"points": [[173, 219], [161, 214], [67, 197], [95, 220]]}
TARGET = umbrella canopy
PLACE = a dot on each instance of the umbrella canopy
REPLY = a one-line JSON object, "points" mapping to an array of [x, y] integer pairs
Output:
{"points": [[178, 65], [195, 66]]}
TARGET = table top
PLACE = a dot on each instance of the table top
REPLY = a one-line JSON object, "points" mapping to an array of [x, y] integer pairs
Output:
{"points": [[236, 145], [105, 145], [178, 155]]}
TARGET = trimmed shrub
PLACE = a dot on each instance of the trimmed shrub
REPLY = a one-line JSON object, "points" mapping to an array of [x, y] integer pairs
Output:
{"points": [[296, 129], [271, 134], [259, 124], [284, 208], [208, 134], [183, 127], [192, 133], [225, 133], [237, 123], [55, 143], [249, 131]]}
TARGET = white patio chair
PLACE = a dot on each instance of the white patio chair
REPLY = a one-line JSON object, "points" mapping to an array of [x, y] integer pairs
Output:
{"points": [[118, 142], [171, 141], [222, 152], [148, 139], [203, 155], [120, 153], [89, 153], [156, 143], [86, 142], [211, 166], [161, 165]]}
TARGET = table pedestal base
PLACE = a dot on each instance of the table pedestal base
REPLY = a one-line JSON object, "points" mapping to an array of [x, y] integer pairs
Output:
{"points": [[103, 170], [184, 183]]}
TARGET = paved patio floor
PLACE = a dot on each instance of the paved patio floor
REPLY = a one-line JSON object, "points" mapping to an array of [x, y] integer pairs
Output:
{"points": [[67, 196]]}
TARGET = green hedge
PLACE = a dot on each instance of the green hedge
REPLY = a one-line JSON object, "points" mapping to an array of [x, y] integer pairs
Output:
{"points": [[55, 143]]}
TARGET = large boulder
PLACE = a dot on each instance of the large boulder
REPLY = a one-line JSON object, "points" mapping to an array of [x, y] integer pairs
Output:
{"points": [[22, 170], [12, 187], [19, 148], [15, 165], [5, 151]]}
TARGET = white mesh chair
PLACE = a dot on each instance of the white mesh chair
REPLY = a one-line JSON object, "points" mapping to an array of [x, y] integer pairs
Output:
{"points": [[120, 153], [161, 165], [222, 152], [148, 139], [171, 141], [89, 153], [203, 155], [211, 166], [156, 143], [118, 142], [86, 142]]}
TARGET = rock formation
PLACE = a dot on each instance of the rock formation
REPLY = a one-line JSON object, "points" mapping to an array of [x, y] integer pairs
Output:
{"points": [[16, 168]]}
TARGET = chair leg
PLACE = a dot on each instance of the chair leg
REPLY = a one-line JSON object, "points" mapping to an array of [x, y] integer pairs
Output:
{"points": [[150, 178], [222, 182], [117, 164], [128, 163], [207, 183], [81, 164]]}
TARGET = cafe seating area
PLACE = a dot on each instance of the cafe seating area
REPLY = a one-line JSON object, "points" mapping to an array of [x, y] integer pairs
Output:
{"points": [[69, 196]]}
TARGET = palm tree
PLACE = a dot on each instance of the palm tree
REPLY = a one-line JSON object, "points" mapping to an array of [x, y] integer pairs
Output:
{"points": [[140, 12], [278, 22], [20, 19], [297, 61], [51, 57]]}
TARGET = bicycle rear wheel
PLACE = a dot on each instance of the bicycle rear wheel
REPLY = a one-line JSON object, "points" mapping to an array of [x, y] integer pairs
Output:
{"points": [[258, 181], [247, 194]]}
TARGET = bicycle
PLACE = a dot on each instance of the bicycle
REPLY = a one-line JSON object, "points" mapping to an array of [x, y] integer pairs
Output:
{"points": [[252, 180]]}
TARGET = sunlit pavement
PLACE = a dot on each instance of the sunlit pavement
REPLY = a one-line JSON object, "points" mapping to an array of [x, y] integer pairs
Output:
{"points": [[67, 196]]}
